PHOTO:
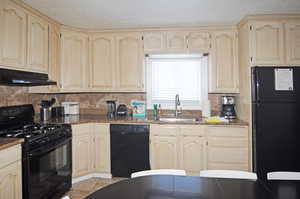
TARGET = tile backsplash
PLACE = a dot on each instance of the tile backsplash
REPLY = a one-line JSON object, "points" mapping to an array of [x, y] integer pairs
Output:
{"points": [[91, 103], [10, 96]]}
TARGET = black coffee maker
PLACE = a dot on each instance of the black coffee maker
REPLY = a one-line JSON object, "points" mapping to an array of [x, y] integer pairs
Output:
{"points": [[228, 107]]}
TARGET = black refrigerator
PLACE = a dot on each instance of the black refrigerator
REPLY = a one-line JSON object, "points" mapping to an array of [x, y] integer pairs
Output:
{"points": [[275, 119]]}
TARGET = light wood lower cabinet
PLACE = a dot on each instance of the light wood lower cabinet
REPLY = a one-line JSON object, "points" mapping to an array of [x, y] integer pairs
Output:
{"points": [[192, 154], [11, 173], [228, 148], [163, 152], [198, 147], [91, 149], [82, 149], [102, 148], [178, 147]]}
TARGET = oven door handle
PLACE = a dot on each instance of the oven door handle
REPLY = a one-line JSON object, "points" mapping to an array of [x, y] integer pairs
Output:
{"points": [[45, 150]]}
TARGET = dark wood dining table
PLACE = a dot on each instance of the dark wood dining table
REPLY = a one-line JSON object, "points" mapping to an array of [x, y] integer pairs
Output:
{"points": [[186, 187]]}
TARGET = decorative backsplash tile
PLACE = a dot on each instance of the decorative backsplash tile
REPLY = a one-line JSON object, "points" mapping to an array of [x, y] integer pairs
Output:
{"points": [[90, 103], [10, 96]]}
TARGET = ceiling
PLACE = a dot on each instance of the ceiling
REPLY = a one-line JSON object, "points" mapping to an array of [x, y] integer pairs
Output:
{"points": [[112, 14]]}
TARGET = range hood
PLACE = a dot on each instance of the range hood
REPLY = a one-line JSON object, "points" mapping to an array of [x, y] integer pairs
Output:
{"points": [[22, 78]]}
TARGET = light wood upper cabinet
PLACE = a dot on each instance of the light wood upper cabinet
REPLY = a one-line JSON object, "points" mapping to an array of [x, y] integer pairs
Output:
{"points": [[192, 154], [292, 30], [224, 66], [154, 42], [37, 52], [12, 35], [74, 60], [267, 43], [129, 62], [163, 152], [11, 181], [102, 62], [102, 148], [54, 57], [176, 41], [199, 42]]}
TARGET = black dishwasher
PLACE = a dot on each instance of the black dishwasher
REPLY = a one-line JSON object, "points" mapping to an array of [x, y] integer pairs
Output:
{"points": [[129, 149]]}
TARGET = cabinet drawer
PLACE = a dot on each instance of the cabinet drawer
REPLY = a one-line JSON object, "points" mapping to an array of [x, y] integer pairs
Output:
{"points": [[194, 130], [10, 155], [228, 142], [81, 129], [228, 155], [224, 131], [171, 130]]}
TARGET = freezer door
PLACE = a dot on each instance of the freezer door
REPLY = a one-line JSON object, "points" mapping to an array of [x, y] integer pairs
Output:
{"points": [[263, 86], [276, 137]]}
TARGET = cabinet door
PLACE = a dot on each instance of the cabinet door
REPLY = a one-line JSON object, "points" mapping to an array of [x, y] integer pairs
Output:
{"points": [[54, 67], [228, 148], [82, 154], [199, 42], [12, 35], [11, 181], [102, 148], [37, 44], [293, 43], [224, 69], [267, 43], [129, 63], [154, 41], [74, 62], [192, 155], [176, 41], [102, 62], [163, 152]]}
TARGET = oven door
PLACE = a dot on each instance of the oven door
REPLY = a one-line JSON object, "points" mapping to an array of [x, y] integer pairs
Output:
{"points": [[48, 171]]}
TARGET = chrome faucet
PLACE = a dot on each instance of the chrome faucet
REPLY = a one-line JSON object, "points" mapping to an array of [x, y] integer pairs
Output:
{"points": [[177, 103]]}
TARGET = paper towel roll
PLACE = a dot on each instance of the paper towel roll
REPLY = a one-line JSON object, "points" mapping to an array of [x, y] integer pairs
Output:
{"points": [[206, 112]]}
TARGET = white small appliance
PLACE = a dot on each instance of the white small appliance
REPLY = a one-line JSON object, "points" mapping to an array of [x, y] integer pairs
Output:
{"points": [[71, 108]]}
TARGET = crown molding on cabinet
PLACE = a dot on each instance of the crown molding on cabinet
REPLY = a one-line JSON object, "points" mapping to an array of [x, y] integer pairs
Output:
{"points": [[35, 12], [269, 17]]}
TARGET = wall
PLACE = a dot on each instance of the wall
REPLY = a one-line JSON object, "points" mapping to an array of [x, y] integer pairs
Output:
{"points": [[90, 103], [10, 96]]}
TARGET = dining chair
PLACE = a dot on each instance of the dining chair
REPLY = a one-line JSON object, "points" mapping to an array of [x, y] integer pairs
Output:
{"points": [[233, 174], [159, 172], [282, 175]]}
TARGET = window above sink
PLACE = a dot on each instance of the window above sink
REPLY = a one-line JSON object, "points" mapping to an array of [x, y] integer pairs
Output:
{"points": [[183, 74]]}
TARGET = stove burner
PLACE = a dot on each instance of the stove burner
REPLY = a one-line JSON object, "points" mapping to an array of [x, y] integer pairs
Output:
{"points": [[31, 130]]}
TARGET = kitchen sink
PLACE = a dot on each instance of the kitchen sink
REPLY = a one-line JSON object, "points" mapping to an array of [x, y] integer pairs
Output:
{"points": [[177, 119]]}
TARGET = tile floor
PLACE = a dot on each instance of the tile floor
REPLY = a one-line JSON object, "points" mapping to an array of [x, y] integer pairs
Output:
{"points": [[84, 188]]}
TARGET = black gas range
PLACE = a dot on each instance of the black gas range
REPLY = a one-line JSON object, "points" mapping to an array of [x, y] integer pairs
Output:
{"points": [[46, 152]]}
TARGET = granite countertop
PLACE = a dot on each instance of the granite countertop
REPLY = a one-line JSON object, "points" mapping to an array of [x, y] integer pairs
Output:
{"points": [[9, 142], [80, 119]]}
